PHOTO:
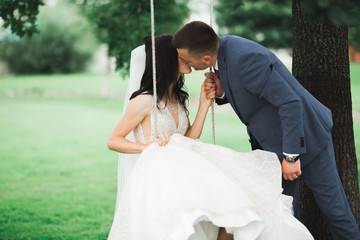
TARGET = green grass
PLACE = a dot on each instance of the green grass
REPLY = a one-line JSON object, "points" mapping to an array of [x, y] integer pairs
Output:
{"points": [[57, 177], [355, 97], [61, 85], [355, 86]]}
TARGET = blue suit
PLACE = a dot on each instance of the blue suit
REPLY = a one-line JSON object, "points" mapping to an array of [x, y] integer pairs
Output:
{"points": [[284, 117]]}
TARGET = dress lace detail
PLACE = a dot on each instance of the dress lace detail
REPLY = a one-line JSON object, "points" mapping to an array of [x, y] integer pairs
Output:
{"points": [[165, 123]]}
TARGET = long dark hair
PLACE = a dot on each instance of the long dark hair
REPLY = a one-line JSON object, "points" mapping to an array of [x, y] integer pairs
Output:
{"points": [[167, 71]]}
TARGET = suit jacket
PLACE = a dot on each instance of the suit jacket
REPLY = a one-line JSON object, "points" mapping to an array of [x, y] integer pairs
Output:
{"points": [[281, 114]]}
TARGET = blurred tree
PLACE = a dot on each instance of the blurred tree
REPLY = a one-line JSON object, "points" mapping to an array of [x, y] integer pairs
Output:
{"points": [[64, 45], [321, 64], [344, 11], [123, 24], [354, 35], [120, 24], [267, 22], [20, 15]]}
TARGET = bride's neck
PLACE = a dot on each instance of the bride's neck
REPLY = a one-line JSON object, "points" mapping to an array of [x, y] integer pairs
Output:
{"points": [[171, 99], [172, 96]]}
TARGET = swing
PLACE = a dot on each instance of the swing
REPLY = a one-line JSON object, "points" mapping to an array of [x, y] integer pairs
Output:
{"points": [[154, 65]]}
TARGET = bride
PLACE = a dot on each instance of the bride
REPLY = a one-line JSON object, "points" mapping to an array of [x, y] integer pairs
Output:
{"points": [[181, 188]]}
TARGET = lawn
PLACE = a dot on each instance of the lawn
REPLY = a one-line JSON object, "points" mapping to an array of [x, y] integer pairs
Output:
{"points": [[57, 177]]}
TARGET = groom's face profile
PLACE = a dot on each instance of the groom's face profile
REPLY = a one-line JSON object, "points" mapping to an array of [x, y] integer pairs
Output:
{"points": [[197, 64]]}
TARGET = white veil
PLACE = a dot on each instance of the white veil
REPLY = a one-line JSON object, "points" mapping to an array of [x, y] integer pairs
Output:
{"points": [[137, 68]]}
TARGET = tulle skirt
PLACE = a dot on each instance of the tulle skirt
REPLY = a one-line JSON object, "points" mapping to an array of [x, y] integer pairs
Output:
{"points": [[188, 189]]}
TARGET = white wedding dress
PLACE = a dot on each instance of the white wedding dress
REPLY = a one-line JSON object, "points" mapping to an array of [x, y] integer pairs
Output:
{"points": [[187, 189]]}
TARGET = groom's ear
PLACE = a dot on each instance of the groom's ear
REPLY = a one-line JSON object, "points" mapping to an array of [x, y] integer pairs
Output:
{"points": [[207, 59]]}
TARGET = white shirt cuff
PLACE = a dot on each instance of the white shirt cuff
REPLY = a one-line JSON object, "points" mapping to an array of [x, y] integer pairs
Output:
{"points": [[222, 96], [290, 155]]}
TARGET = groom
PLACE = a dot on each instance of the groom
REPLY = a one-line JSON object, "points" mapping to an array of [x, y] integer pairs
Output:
{"points": [[280, 115]]}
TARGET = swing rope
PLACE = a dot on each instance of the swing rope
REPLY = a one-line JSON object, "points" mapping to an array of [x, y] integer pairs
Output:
{"points": [[212, 103], [154, 67]]}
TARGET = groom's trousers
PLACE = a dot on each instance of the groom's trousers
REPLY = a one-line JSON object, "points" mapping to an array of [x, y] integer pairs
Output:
{"points": [[321, 176]]}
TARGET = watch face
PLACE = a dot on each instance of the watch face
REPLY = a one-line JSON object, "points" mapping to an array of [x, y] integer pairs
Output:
{"points": [[290, 159]]}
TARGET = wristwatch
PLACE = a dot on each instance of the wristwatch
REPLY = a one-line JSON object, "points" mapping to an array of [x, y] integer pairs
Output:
{"points": [[291, 159]]}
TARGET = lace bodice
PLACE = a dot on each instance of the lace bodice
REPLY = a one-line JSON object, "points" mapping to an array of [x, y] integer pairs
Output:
{"points": [[165, 123]]}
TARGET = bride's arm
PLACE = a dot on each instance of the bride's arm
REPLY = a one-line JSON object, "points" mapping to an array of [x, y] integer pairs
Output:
{"points": [[195, 130], [137, 109]]}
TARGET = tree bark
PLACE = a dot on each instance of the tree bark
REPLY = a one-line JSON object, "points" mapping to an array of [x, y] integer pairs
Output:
{"points": [[321, 65]]}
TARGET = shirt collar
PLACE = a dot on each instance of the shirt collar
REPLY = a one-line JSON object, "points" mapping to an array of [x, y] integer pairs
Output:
{"points": [[216, 67]]}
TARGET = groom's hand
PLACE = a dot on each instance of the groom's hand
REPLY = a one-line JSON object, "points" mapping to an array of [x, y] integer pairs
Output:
{"points": [[291, 171], [213, 82]]}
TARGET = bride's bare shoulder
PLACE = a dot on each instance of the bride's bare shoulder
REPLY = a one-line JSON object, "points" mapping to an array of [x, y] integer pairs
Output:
{"points": [[142, 99], [142, 102]]}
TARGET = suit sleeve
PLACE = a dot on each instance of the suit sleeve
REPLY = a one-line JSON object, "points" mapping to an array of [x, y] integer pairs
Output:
{"points": [[221, 101], [262, 79]]}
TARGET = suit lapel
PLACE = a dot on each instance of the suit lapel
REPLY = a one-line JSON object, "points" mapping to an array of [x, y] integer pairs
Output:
{"points": [[223, 74]]}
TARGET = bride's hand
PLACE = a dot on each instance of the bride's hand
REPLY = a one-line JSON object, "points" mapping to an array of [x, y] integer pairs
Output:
{"points": [[162, 139], [206, 96]]}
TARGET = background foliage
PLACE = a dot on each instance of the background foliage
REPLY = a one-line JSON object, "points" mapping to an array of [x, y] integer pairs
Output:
{"points": [[266, 22], [123, 24], [64, 43], [344, 11], [119, 24], [20, 15], [270, 22]]}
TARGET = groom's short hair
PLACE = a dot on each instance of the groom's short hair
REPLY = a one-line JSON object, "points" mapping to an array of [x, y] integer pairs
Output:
{"points": [[198, 38]]}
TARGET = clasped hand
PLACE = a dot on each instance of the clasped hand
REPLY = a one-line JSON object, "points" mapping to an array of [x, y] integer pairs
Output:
{"points": [[206, 96], [213, 82]]}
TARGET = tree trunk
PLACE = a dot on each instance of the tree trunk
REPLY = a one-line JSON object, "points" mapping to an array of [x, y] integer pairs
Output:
{"points": [[106, 80], [321, 65]]}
